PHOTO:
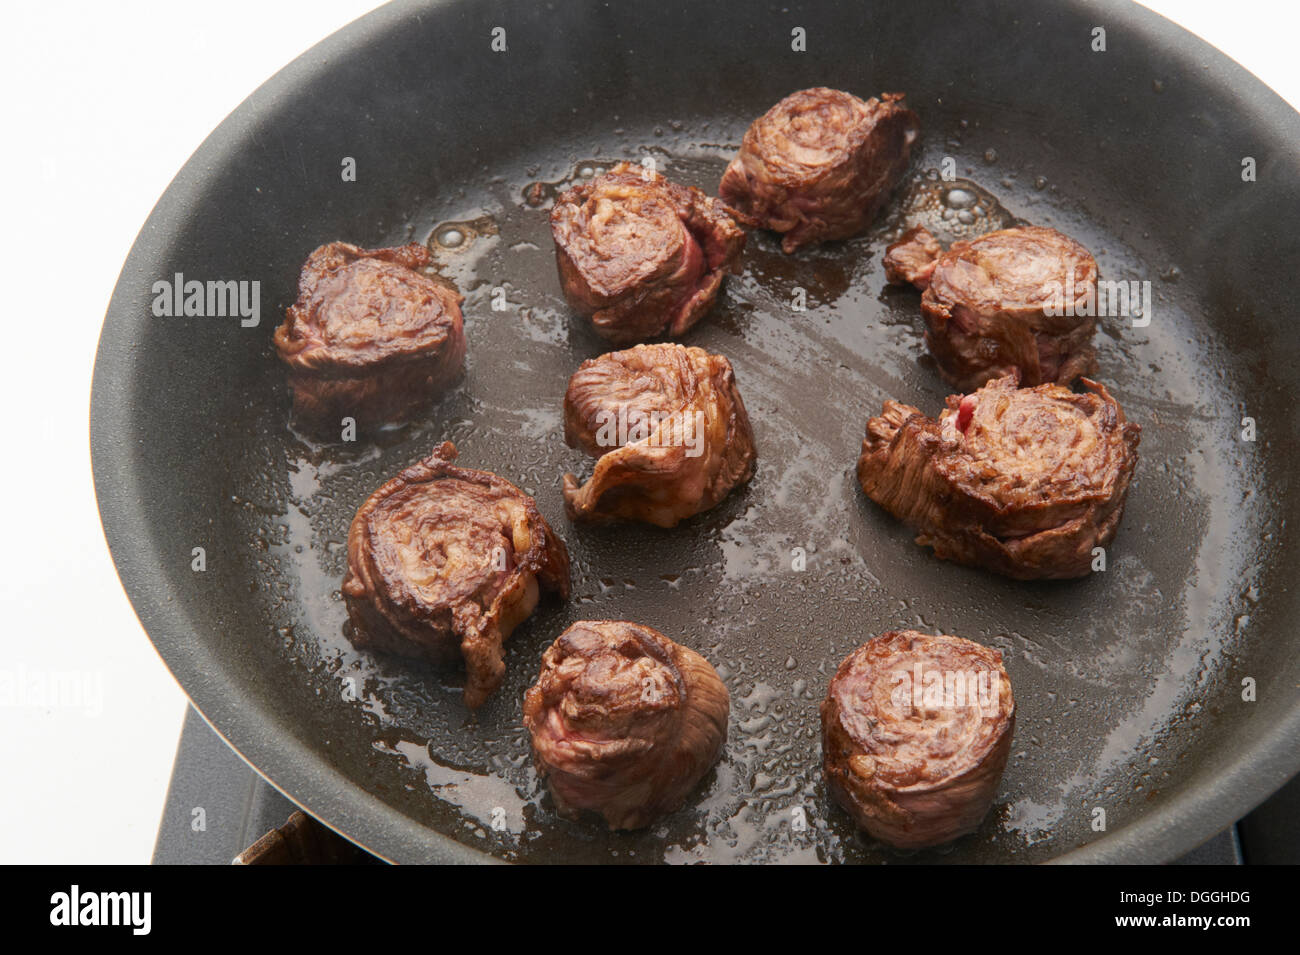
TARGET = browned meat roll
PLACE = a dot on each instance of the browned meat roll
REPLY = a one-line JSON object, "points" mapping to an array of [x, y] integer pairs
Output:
{"points": [[641, 256], [1021, 481], [820, 164], [915, 734], [444, 562], [370, 337], [668, 427], [1013, 301], [624, 721]]}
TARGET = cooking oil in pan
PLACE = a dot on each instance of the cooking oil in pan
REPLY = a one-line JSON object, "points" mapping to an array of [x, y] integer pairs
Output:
{"points": [[789, 574]]}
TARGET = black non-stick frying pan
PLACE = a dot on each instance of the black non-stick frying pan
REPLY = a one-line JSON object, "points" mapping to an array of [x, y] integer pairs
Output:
{"points": [[1133, 685]]}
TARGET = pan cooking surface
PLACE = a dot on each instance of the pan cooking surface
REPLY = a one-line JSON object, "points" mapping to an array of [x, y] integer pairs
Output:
{"points": [[1110, 673]]}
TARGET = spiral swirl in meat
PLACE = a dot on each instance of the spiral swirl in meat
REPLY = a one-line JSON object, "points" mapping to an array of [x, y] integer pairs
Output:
{"points": [[1017, 301], [370, 337], [916, 731], [624, 721], [668, 427], [642, 256], [446, 561], [1021, 481], [820, 164]]}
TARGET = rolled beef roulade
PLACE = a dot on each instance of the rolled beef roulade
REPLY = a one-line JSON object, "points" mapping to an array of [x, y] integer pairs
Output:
{"points": [[820, 164], [669, 430], [1024, 482], [624, 722], [370, 337], [641, 256], [916, 731], [444, 562], [1017, 301]]}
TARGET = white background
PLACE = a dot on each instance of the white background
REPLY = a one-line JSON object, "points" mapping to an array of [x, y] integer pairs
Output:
{"points": [[102, 103]]}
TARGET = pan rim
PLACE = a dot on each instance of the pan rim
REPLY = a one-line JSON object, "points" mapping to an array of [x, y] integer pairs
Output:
{"points": [[1179, 824]]}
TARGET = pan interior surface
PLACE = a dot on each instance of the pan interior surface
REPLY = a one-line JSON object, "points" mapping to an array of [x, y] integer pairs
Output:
{"points": [[1129, 684]]}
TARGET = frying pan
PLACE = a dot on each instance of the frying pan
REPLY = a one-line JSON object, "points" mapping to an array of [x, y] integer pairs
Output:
{"points": [[1129, 683]]}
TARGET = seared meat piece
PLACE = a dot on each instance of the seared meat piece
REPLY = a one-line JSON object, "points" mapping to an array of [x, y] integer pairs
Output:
{"points": [[370, 337], [820, 164], [1009, 301], [624, 721], [1021, 481], [444, 562], [915, 734], [670, 431], [641, 256], [911, 260]]}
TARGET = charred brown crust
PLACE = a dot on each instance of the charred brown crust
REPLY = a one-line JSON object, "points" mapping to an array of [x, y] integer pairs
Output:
{"points": [[657, 477], [370, 337], [820, 164], [444, 562], [916, 768], [1023, 482], [642, 256], [624, 722], [1015, 301]]}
